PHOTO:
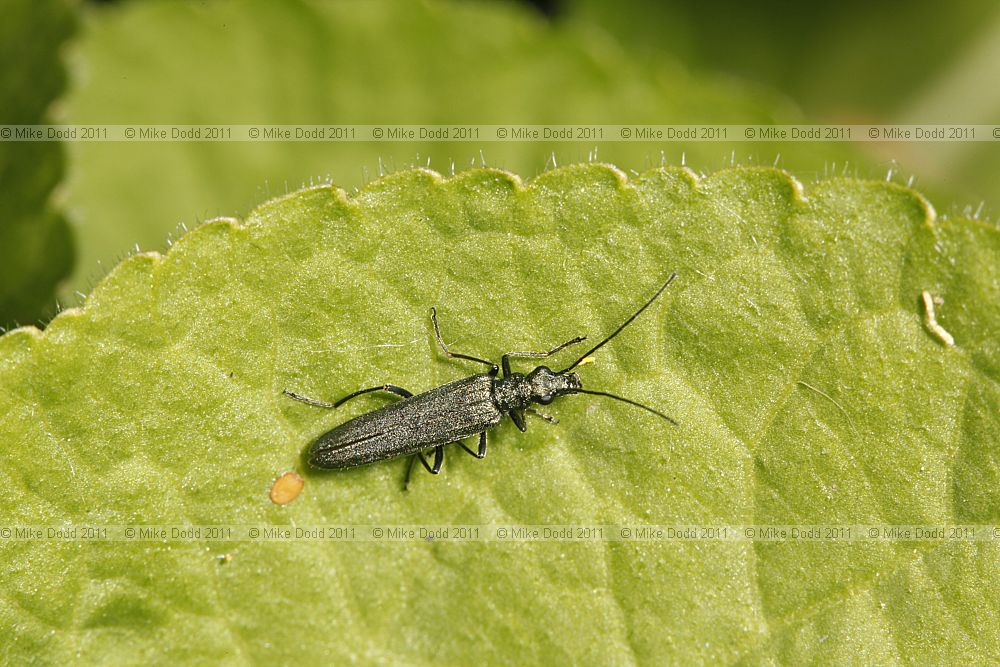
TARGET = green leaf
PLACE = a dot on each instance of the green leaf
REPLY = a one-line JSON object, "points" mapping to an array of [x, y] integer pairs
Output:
{"points": [[36, 246], [792, 349], [314, 62], [839, 70], [832, 64]]}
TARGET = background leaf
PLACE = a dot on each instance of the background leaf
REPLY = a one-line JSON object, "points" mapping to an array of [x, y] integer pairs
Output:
{"points": [[839, 61], [159, 402], [36, 246], [316, 62], [852, 62]]}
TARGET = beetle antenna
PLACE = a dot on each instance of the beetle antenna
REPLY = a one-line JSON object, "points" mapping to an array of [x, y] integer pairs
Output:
{"points": [[626, 400], [619, 330]]}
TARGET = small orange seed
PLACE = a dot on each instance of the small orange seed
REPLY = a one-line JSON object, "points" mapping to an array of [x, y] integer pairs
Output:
{"points": [[287, 488]]}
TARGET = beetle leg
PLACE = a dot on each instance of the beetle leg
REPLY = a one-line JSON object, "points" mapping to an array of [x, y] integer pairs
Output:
{"points": [[308, 401], [432, 469], [549, 418], [518, 418], [481, 454], [455, 355], [438, 459], [505, 359], [391, 388]]}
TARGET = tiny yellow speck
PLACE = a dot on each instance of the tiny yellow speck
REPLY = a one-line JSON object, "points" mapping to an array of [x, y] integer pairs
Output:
{"points": [[587, 360]]}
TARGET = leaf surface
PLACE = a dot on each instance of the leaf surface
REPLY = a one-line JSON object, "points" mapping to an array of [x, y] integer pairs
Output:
{"points": [[792, 349]]}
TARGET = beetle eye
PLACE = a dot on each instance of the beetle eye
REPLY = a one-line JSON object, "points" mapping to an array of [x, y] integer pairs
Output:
{"points": [[546, 399]]}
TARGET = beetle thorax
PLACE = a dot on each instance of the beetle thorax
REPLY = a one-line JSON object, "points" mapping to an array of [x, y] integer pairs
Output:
{"points": [[517, 391]]}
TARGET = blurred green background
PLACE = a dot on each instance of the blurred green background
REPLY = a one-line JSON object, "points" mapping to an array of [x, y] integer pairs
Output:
{"points": [[71, 211]]}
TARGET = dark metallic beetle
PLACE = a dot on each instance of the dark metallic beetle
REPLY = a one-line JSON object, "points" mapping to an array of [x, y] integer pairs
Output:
{"points": [[454, 411]]}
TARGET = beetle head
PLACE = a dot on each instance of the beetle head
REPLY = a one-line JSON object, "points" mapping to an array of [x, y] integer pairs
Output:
{"points": [[546, 384]]}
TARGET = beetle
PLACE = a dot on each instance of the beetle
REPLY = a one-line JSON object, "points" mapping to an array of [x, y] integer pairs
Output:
{"points": [[456, 410]]}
